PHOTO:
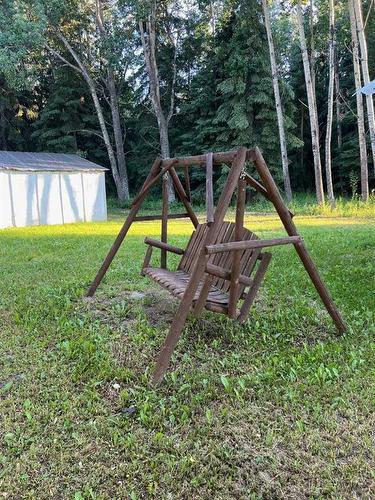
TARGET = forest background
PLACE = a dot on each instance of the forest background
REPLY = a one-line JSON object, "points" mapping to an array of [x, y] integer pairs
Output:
{"points": [[120, 82]]}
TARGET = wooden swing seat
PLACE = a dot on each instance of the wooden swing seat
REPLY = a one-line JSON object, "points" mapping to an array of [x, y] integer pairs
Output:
{"points": [[219, 267]]}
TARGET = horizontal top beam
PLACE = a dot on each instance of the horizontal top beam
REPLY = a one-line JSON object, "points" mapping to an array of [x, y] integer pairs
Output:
{"points": [[218, 158]]}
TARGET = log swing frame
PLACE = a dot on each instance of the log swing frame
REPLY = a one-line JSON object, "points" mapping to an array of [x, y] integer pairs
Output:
{"points": [[198, 283]]}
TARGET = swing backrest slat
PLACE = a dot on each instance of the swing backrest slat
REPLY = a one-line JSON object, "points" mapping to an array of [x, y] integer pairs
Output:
{"points": [[224, 259]]}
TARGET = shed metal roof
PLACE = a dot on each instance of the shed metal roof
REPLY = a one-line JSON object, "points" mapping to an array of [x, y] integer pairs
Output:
{"points": [[36, 162]]}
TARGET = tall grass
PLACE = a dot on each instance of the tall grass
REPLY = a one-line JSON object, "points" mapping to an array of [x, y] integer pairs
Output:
{"points": [[302, 204]]}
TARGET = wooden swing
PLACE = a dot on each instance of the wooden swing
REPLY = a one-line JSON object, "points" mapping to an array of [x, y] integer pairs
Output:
{"points": [[223, 262]]}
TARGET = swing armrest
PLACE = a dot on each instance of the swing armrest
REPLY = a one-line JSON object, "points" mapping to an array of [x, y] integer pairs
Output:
{"points": [[244, 245], [164, 246]]}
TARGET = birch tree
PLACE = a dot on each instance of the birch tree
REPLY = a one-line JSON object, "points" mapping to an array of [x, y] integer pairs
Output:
{"points": [[147, 29], [365, 74], [312, 44], [338, 104], [121, 171], [331, 59], [279, 111], [311, 99], [359, 99]]}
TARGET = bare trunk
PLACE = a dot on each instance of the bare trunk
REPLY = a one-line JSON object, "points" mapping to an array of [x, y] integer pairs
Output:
{"points": [[314, 126], [338, 106], [365, 74], [122, 194], [165, 153], [279, 111], [331, 58], [120, 175], [302, 133], [338, 119], [117, 130], [360, 114], [312, 44], [148, 37]]}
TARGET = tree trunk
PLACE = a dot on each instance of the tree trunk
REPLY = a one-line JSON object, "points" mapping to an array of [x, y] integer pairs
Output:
{"points": [[122, 193], [359, 99], [121, 174], [279, 111], [338, 105], [314, 126], [302, 134], [117, 130], [360, 114], [365, 74], [148, 37], [312, 45], [331, 58], [165, 153], [338, 120]]}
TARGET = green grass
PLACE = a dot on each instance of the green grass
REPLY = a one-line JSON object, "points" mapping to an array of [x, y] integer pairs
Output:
{"points": [[282, 407], [302, 204]]}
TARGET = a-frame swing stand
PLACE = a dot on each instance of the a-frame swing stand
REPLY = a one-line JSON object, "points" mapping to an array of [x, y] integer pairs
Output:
{"points": [[215, 267]]}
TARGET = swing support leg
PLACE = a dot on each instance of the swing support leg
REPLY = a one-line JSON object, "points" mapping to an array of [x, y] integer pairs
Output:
{"points": [[258, 278], [300, 247]]}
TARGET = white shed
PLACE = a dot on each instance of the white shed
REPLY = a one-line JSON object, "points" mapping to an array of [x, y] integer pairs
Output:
{"points": [[50, 188]]}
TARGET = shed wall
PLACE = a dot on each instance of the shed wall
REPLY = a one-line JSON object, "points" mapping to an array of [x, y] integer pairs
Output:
{"points": [[50, 207], [6, 211], [34, 198]]}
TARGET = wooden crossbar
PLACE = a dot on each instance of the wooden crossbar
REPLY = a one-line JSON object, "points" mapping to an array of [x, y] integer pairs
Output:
{"points": [[200, 160], [209, 190], [144, 218]]}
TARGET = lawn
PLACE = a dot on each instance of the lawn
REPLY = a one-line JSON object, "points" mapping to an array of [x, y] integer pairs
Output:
{"points": [[282, 407]]}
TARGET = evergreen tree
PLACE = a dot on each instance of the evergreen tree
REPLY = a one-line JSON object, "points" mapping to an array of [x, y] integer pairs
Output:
{"points": [[66, 123], [232, 96]]}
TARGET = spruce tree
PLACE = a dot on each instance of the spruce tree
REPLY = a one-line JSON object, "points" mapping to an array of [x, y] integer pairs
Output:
{"points": [[66, 123]]}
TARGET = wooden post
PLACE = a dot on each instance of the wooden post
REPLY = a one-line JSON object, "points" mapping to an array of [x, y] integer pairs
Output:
{"points": [[199, 268], [187, 183], [259, 275], [152, 176], [147, 259], [164, 222], [236, 255], [300, 247], [181, 193], [209, 189]]}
